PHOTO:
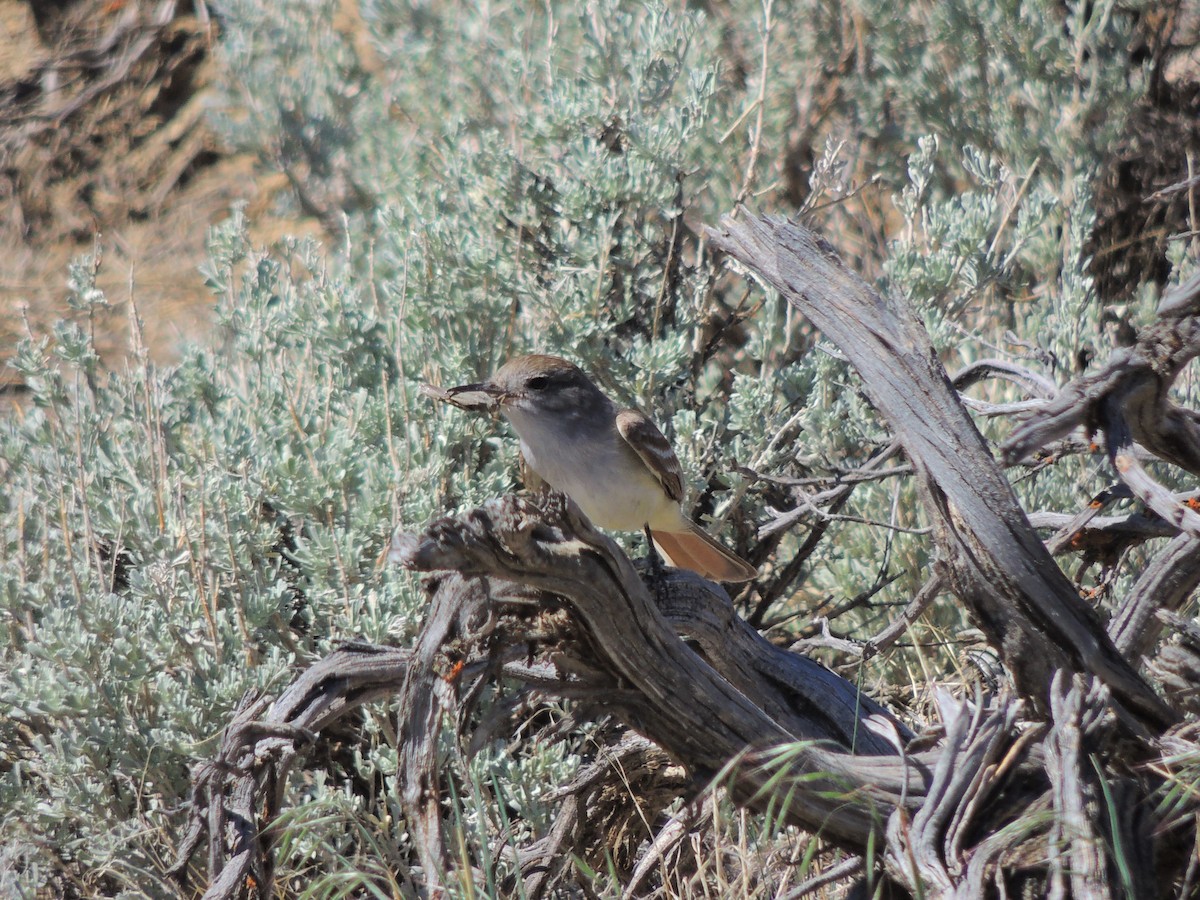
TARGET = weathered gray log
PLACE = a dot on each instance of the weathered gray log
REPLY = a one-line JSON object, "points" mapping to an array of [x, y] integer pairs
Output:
{"points": [[809, 700], [673, 695], [997, 565], [247, 778]]}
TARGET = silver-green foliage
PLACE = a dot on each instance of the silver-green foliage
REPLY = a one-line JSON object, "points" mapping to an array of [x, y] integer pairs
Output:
{"points": [[176, 538], [502, 181]]}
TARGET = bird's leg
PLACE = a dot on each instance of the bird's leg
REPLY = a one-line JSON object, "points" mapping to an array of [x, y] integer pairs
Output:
{"points": [[657, 575]]}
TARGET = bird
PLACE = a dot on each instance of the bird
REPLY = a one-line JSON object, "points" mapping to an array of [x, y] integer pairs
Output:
{"points": [[613, 462]]}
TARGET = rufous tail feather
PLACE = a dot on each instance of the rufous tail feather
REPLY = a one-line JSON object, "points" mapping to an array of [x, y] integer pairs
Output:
{"points": [[698, 551]]}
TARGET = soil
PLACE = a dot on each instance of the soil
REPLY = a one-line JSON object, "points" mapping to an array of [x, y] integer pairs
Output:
{"points": [[104, 148]]}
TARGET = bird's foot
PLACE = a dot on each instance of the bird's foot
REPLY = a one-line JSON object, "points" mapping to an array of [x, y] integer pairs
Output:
{"points": [[658, 574]]}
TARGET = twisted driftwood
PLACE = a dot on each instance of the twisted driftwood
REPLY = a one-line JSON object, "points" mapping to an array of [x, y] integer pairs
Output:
{"points": [[525, 590], [236, 794], [723, 709], [736, 696], [995, 561]]}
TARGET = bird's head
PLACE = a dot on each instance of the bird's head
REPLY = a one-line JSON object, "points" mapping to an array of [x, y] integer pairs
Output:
{"points": [[533, 384]]}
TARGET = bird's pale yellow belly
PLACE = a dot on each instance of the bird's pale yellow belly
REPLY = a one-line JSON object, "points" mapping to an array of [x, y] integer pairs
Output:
{"points": [[610, 484]]}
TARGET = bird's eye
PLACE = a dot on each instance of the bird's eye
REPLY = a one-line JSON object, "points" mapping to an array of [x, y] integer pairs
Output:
{"points": [[538, 382]]}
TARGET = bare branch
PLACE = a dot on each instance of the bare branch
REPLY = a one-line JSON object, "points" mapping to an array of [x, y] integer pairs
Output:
{"points": [[1135, 383], [995, 561], [1040, 387], [257, 752], [1118, 438], [933, 586], [678, 699], [1100, 530]]}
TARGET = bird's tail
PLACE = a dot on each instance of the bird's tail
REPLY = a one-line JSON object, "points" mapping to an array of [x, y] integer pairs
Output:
{"points": [[696, 550]]}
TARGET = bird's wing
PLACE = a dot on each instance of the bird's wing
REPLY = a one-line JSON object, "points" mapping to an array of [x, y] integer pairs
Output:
{"points": [[654, 450]]}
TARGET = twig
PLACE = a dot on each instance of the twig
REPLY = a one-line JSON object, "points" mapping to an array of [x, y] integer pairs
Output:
{"points": [[847, 867], [758, 105]]}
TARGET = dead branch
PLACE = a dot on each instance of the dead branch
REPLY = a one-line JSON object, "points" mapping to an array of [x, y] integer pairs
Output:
{"points": [[1038, 386], [996, 564], [1136, 380], [706, 710], [258, 749], [809, 700], [1102, 532], [1131, 396]]}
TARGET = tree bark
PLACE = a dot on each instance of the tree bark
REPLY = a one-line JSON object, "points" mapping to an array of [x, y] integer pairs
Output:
{"points": [[997, 565]]}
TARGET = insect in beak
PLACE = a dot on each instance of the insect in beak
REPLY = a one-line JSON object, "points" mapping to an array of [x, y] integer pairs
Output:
{"points": [[474, 397]]}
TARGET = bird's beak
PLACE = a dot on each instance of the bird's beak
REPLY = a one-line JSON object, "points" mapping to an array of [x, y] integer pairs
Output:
{"points": [[483, 395]]}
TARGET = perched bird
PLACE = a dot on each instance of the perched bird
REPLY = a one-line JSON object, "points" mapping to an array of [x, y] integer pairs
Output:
{"points": [[613, 462]]}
